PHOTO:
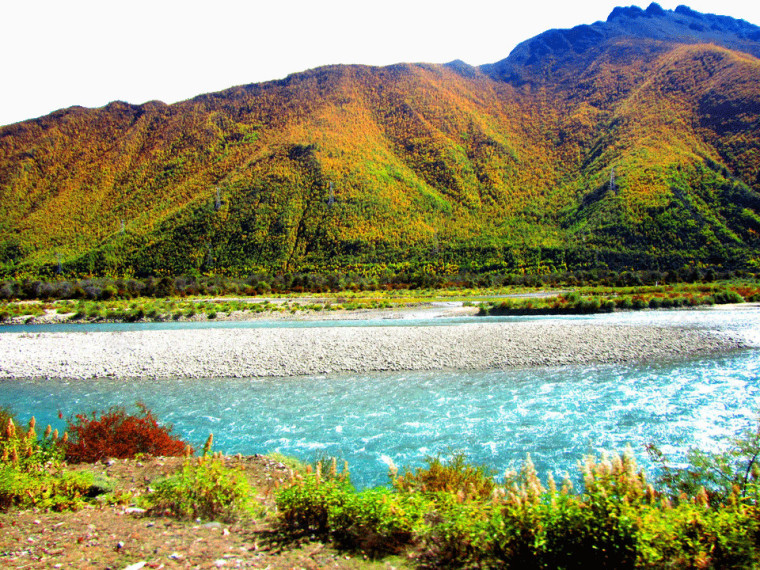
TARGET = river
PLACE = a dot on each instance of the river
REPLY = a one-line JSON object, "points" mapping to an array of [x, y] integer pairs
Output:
{"points": [[496, 417]]}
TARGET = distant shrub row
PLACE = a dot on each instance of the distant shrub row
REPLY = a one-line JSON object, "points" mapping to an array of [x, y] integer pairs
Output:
{"points": [[574, 303], [402, 277]]}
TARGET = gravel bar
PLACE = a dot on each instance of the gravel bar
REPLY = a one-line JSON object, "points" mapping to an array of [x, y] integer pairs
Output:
{"points": [[259, 352]]}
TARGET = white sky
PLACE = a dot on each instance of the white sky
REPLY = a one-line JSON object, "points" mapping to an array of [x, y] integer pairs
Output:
{"points": [[58, 53]]}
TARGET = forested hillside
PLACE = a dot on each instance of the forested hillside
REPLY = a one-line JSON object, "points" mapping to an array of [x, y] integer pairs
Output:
{"points": [[630, 143]]}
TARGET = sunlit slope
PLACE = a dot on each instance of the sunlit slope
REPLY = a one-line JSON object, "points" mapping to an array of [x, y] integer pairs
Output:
{"points": [[684, 147], [340, 160]]}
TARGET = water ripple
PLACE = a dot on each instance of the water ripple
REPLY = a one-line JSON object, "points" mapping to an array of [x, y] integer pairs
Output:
{"points": [[496, 417]]}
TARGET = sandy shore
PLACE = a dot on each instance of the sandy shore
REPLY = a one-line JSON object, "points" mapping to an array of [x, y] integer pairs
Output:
{"points": [[259, 352]]}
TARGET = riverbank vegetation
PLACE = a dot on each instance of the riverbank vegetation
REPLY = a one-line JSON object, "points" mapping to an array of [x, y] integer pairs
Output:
{"points": [[184, 299], [447, 513]]}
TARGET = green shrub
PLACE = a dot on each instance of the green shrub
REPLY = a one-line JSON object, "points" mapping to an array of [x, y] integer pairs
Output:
{"points": [[455, 475], [30, 469], [376, 520], [721, 475], [595, 532], [461, 534], [205, 489], [573, 298], [23, 448], [727, 296], [692, 535], [637, 304], [305, 506], [42, 489]]}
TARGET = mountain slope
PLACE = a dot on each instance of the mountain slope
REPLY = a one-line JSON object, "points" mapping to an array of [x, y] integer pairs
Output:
{"points": [[348, 166]]}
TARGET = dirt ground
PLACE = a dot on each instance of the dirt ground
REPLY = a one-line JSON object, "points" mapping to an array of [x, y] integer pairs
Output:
{"points": [[123, 537]]}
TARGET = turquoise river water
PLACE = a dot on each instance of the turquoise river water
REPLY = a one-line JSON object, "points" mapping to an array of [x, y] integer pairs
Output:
{"points": [[496, 417]]}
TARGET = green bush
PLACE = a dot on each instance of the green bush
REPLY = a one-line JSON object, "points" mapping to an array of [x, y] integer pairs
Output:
{"points": [[23, 448], [692, 535], [31, 472], [595, 532], [376, 520], [454, 475], [42, 489], [618, 520], [720, 475], [205, 488], [306, 505], [726, 297]]}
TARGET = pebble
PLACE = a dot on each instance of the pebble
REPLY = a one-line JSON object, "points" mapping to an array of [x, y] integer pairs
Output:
{"points": [[134, 511], [260, 352]]}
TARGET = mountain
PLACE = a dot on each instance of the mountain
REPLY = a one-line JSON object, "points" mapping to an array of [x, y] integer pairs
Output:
{"points": [[633, 142]]}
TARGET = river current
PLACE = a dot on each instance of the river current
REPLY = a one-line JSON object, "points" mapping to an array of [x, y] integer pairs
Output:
{"points": [[496, 417]]}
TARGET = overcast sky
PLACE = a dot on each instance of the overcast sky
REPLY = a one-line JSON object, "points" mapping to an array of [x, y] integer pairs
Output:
{"points": [[58, 53]]}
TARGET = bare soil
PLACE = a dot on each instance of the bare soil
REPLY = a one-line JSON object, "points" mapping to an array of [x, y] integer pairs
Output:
{"points": [[122, 536]]}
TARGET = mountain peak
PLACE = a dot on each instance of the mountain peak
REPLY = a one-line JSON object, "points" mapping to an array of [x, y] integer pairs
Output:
{"points": [[574, 49]]}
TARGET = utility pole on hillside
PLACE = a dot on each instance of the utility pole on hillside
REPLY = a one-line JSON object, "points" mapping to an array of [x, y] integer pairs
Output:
{"points": [[218, 201]]}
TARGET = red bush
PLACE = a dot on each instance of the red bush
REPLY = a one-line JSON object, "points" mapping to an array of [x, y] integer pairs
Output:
{"points": [[120, 435]]}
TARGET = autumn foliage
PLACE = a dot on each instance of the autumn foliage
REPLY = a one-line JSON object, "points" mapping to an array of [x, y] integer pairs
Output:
{"points": [[115, 433], [627, 146]]}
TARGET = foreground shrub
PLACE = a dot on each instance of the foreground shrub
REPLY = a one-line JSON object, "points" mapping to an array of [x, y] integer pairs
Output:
{"points": [[115, 433], [719, 475], [205, 488], [454, 475], [694, 535], [617, 520], [31, 471], [23, 448], [592, 533], [377, 520], [306, 505], [43, 489]]}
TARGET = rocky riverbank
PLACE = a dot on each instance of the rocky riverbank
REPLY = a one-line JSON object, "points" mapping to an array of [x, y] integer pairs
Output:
{"points": [[275, 352]]}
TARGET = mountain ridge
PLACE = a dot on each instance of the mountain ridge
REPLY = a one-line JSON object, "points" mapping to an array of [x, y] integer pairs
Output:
{"points": [[358, 166]]}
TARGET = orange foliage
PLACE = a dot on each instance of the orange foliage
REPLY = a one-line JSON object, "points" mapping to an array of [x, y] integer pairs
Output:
{"points": [[119, 435]]}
